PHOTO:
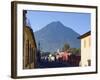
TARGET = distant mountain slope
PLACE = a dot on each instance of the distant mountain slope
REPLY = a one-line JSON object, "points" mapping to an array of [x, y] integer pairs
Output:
{"points": [[55, 35]]}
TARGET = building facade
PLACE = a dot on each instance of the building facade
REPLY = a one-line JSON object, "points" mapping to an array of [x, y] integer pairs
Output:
{"points": [[85, 49], [29, 45], [29, 49]]}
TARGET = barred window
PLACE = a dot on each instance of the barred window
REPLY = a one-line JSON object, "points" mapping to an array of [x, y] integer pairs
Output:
{"points": [[89, 42], [27, 53], [89, 62], [84, 43]]}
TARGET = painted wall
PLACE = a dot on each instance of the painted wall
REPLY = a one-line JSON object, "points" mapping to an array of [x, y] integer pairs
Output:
{"points": [[85, 50], [29, 49]]}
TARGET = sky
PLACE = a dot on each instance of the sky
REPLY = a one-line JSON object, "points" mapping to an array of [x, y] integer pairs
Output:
{"points": [[79, 22]]}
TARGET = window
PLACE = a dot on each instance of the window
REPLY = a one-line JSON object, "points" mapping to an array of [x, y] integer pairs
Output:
{"points": [[27, 53], [89, 62], [89, 41], [31, 55], [84, 43]]}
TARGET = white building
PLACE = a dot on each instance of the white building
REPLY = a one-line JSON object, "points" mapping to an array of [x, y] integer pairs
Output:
{"points": [[85, 49]]}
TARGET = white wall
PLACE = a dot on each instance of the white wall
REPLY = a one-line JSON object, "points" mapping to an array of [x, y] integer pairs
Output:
{"points": [[5, 40], [85, 51]]}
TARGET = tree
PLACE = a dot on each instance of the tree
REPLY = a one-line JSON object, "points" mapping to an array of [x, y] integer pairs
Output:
{"points": [[75, 51], [66, 47]]}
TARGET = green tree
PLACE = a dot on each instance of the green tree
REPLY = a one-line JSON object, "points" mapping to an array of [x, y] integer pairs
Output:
{"points": [[75, 51], [66, 47]]}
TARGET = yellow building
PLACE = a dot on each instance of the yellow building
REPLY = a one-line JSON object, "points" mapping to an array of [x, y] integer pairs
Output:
{"points": [[85, 49], [29, 46], [29, 58]]}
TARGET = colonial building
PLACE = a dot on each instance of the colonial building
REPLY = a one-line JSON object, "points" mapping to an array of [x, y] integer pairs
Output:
{"points": [[85, 49], [29, 46], [63, 56]]}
